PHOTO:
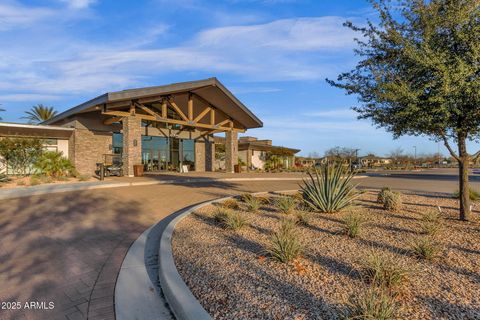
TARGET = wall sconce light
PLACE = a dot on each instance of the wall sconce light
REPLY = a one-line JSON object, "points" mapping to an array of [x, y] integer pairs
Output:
{"points": [[134, 142]]}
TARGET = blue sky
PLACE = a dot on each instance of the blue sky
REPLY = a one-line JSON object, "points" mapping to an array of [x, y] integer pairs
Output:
{"points": [[273, 54]]}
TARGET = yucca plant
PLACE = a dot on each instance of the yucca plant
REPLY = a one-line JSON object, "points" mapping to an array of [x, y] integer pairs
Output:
{"points": [[329, 189], [425, 248], [431, 223]]}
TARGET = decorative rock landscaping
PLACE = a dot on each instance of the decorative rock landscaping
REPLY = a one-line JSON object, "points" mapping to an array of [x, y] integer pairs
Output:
{"points": [[233, 276]]}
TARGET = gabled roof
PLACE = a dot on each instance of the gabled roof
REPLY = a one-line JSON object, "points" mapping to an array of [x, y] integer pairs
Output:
{"points": [[210, 90]]}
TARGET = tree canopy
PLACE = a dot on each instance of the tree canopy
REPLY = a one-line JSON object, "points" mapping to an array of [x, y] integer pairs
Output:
{"points": [[419, 72]]}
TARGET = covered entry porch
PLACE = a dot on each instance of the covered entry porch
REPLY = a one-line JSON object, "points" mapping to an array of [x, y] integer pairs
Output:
{"points": [[165, 127]]}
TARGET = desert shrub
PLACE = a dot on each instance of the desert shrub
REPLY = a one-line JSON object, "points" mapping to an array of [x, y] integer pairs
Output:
{"points": [[425, 248], [54, 164], [381, 194], [303, 217], [286, 204], [62, 178], [252, 203], [384, 270], [372, 304], [392, 201], [285, 243], [352, 223], [472, 193], [21, 183], [230, 203], [230, 219], [431, 223], [329, 189]]}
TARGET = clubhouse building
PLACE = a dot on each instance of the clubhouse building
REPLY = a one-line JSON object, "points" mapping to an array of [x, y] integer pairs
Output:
{"points": [[163, 128]]}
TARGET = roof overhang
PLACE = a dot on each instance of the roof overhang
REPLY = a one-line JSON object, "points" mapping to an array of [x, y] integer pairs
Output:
{"points": [[34, 131], [210, 90]]}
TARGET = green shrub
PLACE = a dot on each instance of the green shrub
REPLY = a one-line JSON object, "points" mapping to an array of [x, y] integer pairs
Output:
{"points": [[230, 203], [54, 164], [21, 183], [285, 243], [425, 248], [330, 189], [303, 217], [384, 270], [381, 194], [473, 194], [62, 178], [372, 304], [230, 219], [20, 154], [431, 223], [286, 204], [392, 201], [253, 203], [352, 223]]}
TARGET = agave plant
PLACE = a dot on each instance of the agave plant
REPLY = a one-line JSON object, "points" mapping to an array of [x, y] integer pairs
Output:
{"points": [[329, 189]]}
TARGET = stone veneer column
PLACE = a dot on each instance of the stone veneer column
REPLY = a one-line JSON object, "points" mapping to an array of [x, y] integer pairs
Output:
{"points": [[200, 146], [231, 150], [132, 144]]}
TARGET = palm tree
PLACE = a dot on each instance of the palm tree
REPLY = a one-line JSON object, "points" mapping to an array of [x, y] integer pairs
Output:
{"points": [[40, 113]]}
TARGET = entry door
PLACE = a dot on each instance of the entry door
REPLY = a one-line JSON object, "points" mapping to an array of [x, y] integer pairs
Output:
{"points": [[175, 154]]}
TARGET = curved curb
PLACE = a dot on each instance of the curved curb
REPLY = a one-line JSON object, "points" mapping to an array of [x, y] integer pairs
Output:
{"points": [[181, 300]]}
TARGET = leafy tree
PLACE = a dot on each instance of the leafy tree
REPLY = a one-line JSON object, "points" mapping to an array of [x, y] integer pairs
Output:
{"points": [[419, 74], [20, 154], [40, 113]]}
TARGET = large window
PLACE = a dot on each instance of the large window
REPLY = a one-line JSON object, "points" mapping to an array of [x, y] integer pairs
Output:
{"points": [[188, 153], [117, 143]]}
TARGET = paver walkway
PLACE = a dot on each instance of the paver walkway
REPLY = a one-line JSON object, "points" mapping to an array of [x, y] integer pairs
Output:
{"points": [[67, 248]]}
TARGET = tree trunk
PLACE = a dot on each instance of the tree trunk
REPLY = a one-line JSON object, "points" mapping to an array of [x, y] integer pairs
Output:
{"points": [[464, 192]]}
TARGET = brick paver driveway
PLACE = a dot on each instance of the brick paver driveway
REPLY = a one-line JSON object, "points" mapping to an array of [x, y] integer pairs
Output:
{"points": [[67, 248]]}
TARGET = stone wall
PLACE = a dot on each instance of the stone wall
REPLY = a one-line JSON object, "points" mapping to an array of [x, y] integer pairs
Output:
{"points": [[132, 144], [87, 148], [204, 155], [231, 150]]}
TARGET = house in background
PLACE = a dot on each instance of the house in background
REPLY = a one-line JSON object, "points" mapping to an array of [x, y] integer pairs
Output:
{"points": [[372, 161], [255, 154]]}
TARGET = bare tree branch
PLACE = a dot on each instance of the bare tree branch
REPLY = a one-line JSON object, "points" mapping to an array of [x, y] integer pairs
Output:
{"points": [[447, 145], [475, 156]]}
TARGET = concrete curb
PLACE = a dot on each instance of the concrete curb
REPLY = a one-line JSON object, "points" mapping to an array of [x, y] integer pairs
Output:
{"points": [[180, 299]]}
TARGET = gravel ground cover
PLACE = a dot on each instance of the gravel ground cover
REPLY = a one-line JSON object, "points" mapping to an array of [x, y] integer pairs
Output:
{"points": [[233, 278]]}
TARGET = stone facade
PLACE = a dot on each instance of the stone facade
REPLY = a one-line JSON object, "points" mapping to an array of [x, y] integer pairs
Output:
{"points": [[132, 144], [87, 148], [204, 155], [231, 150]]}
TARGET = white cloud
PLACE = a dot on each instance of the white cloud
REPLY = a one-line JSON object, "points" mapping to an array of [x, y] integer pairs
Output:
{"points": [[21, 97], [14, 15], [79, 4]]}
